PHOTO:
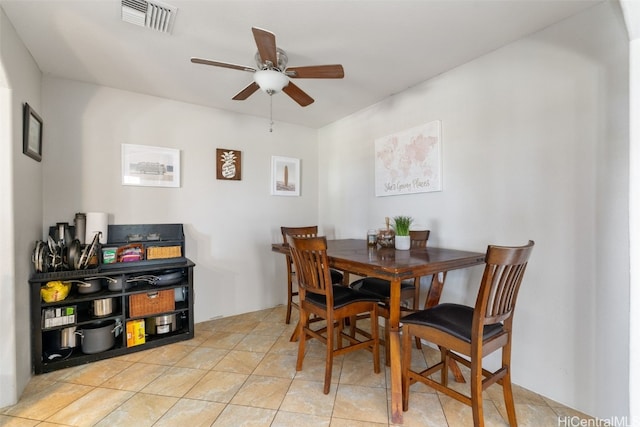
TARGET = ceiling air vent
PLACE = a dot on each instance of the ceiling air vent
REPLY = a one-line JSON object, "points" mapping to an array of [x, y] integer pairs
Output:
{"points": [[154, 15]]}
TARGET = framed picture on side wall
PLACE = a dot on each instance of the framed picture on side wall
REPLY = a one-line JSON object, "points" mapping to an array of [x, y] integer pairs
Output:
{"points": [[285, 176], [144, 165], [32, 133]]}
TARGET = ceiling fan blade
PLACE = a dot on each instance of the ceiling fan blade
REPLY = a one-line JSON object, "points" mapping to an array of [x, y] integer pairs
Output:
{"points": [[222, 64], [297, 94], [246, 92], [266, 42], [334, 71]]}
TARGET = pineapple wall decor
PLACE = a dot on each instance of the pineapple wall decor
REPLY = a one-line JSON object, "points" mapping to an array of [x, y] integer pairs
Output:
{"points": [[228, 164]]}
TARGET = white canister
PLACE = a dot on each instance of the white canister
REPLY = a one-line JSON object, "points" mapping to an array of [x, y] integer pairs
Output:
{"points": [[97, 222]]}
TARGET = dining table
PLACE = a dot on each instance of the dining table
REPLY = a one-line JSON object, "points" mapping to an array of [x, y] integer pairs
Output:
{"points": [[355, 256]]}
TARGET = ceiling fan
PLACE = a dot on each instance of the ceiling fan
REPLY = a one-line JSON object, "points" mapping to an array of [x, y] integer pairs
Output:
{"points": [[271, 73]]}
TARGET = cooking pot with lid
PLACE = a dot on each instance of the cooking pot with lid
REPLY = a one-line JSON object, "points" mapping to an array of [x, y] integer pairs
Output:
{"points": [[119, 283], [100, 336], [89, 285]]}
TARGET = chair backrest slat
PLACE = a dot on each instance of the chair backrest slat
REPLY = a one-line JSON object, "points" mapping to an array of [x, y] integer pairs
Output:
{"points": [[504, 270], [310, 231], [419, 238], [312, 264]]}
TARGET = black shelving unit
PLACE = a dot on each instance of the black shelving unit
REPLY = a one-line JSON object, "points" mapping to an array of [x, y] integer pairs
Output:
{"points": [[119, 235]]}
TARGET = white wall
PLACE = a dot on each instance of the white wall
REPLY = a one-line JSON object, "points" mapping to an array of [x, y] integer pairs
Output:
{"points": [[634, 231], [632, 18], [535, 145], [20, 210], [229, 225]]}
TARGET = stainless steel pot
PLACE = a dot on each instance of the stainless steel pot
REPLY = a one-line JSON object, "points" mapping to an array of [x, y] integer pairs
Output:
{"points": [[162, 324], [68, 337], [103, 307], [99, 336]]}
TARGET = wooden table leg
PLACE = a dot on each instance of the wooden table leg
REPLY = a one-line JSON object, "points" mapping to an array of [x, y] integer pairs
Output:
{"points": [[394, 349]]}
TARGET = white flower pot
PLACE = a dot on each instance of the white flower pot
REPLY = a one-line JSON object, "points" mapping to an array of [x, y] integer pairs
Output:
{"points": [[403, 242]]}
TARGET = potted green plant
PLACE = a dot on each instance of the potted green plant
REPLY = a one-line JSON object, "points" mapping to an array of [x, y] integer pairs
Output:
{"points": [[401, 226]]}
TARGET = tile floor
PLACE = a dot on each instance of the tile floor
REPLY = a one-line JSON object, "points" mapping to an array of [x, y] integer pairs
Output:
{"points": [[240, 371]]}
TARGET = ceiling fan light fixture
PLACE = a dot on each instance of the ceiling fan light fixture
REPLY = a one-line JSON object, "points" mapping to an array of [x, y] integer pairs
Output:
{"points": [[270, 81]]}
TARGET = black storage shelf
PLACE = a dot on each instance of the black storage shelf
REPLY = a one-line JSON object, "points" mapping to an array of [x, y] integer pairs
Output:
{"points": [[170, 235]]}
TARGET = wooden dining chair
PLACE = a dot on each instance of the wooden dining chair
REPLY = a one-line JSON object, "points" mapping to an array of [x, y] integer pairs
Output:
{"points": [[473, 332], [309, 231], [333, 303], [409, 290]]}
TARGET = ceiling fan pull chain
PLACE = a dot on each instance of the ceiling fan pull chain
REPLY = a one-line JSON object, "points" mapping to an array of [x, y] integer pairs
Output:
{"points": [[271, 112]]}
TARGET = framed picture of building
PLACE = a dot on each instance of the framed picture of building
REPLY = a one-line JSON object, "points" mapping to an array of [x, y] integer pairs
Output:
{"points": [[149, 166]]}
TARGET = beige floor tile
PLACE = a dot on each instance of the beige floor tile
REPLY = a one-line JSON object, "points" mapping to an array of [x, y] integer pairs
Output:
{"points": [[258, 343], [135, 377], [37, 384], [7, 421], [136, 356], [175, 381], [199, 338], [459, 415], [361, 403], [223, 340], [262, 392], [424, 410], [278, 314], [244, 416], [269, 328], [529, 415], [291, 419], [141, 410], [168, 354], [241, 326], [313, 369], [306, 397], [202, 358], [284, 345], [277, 365], [96, 373], [242, 362], [198, 413], [40, 406], [217, 386], [341, 422], [91, 408], [362, 374]]}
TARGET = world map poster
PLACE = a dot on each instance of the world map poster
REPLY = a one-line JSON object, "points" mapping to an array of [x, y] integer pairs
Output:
{"points": [[410, 161]]}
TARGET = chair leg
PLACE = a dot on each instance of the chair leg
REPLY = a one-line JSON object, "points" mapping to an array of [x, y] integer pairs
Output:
{"points": [[328, 368], [387, 340], [476, 391], [416, 306], [444, 373], [375, 350], [406, 364], [289, 301], [302, 337], [506, 386]]}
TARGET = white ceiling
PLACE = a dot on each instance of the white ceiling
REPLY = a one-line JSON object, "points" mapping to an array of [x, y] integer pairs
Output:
{"points": [[384, 46]]}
